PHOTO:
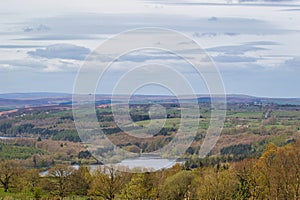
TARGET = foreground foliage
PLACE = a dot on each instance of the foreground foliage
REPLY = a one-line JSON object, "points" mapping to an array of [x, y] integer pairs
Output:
{"points": [[275, 175]]}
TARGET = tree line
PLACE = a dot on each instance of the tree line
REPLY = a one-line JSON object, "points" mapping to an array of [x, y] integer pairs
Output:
{"points": [[274, 175]]}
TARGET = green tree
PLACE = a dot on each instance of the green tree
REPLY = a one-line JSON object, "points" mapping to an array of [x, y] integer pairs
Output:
{"points": [[178, 186], [32, 179], [7, 173], [139, 187], [80, 181], [107, 182], [216, 183], [61, 175], [278, 172], [246, 173]]}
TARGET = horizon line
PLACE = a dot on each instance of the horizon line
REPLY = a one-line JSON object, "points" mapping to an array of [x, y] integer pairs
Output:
{"points": [[166, 95]]}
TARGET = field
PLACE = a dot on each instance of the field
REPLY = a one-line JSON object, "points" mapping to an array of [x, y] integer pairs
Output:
{"points": [[35, 139], [247, 123]]}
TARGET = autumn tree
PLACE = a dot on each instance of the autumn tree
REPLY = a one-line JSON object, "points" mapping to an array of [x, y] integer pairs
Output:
{"points": [[80, 181], [216, 183], [60, 178], [294, 158], [7, 173], [107, 182], [247, 177], [178, 186], [32, 179], [141, 186], [278, 171]]}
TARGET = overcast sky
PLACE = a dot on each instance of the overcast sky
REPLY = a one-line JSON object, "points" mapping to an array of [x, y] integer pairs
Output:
{"points": [[254, 44]]}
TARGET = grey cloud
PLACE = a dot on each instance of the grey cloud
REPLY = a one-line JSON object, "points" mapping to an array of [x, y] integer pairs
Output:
{"points": [[263, 43], [231, 34], [289, 1], [18, 46], [236, 50], [36, 65], [235, 26], [38, 28], [23, 64], [212, 34], [243, 48], [62, 51], [291, 10], [212, 19], [233, 59], [60, 37], [66, 26], [240, 67], [275, 3], [143, 58], [292, 64]]}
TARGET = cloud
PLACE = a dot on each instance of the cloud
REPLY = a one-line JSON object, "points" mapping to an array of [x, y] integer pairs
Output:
{"points": [[291, 10], [18, 46], [243, 48], [287, 3], [62, 51], [40, 65], [280, 1], [148, 56], [52, 68], [239, 42], [60, 37], [23, 64], [70, 26], [244, 64], [236, 49], [212, 34], [205, 34], [292, 64], [263, 43], [212, 19], [233, 59], [247, 56], [38, 28]]}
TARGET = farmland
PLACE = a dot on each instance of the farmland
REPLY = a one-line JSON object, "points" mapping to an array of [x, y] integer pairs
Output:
{"points": [[44, 137]]}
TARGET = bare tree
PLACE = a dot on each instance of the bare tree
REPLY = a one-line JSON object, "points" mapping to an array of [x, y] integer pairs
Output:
{"points": [[61, 178]]}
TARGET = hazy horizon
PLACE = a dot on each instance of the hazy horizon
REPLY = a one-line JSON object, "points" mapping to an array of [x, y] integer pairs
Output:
{"points": [[148, 94]]}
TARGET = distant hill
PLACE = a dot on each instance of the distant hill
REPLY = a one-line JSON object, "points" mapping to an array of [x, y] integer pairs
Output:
{"points": [[21, 100]]}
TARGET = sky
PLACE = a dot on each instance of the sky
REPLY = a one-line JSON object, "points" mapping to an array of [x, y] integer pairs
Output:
{"points": [[255, 45]]}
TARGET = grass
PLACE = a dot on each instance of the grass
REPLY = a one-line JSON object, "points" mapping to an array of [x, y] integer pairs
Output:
{"points": [[245, 114], [17, 152], [287, 114], [28, 195], [14, 195], [169, 122]]}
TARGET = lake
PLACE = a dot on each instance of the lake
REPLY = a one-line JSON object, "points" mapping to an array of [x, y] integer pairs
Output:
{"points": [[7, 138], [153, 163], [149, 162]]}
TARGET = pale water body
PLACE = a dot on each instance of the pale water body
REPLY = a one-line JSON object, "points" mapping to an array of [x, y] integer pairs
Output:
{"points": [[150, 163], [7, 138], [153, 163]]}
